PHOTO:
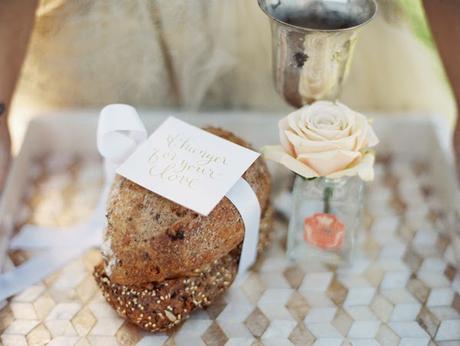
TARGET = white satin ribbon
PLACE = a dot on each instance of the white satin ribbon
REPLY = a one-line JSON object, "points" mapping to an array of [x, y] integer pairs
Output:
{"points": [[245, 200], [120, 131]]}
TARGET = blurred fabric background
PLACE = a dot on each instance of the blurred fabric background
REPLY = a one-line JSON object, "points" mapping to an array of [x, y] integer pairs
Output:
{"points": [[210, 54]]}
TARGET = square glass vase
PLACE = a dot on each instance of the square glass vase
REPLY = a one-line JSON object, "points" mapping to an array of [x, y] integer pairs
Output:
{"points": [[326, 217]]}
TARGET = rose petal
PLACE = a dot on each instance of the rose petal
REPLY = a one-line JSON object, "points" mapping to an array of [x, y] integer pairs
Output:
{"points": [[304, 145], [364, 168], [298, 125], [313, 135], [367, 137], [277, 154], [329, 162], [372, 139], [283, 126], [327, 119]]}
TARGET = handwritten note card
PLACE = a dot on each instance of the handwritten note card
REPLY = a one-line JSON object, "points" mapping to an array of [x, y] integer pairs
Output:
{"points": [[187, 165]]}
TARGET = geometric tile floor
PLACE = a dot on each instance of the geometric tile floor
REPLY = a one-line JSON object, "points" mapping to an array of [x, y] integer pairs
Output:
{"points": [[403, 288]]}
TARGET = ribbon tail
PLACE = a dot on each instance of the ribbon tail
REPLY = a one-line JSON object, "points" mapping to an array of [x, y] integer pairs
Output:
{"points": [[43, 264], [245, 200], [48, 239], [34, 270], [32, 237]]}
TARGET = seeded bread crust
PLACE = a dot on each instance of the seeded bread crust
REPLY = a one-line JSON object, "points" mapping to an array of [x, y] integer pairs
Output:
{"points": [[161, 306], [150, 238]]}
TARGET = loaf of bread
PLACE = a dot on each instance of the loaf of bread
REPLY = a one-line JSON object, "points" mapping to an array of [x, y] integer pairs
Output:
{"points": [[162, 261], [159, 306], [150, 238]]}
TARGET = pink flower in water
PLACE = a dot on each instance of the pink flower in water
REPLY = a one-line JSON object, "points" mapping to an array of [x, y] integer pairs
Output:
{"points": [[324, 231]]}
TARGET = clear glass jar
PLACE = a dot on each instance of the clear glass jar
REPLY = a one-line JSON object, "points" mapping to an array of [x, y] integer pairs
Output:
{"points": [[325, 219]]}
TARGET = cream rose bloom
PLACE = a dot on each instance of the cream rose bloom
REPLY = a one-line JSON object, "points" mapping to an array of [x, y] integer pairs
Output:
{"points": [[325, 139]]}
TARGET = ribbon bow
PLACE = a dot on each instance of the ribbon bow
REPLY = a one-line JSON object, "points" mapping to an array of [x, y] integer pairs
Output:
{"points": [[120, 131]]}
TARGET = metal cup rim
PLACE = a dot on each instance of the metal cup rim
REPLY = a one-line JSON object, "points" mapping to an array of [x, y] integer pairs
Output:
{"points": [[302, 28]]}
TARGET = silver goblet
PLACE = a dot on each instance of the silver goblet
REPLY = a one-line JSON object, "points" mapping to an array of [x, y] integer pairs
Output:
{"points": [[312, 45]]}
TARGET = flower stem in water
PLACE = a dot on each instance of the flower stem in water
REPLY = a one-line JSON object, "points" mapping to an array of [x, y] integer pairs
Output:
{"points": [[327, 195]]}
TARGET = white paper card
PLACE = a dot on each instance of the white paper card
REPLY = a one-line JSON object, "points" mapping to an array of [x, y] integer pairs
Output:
{"points": [[187, 165]]}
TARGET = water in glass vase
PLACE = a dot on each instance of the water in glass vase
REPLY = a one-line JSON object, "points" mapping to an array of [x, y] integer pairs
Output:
{"points": [[325, 219]]}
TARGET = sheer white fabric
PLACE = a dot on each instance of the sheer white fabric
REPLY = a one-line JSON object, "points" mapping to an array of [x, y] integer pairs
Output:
{"points": [[149, 53], [201, 54]]}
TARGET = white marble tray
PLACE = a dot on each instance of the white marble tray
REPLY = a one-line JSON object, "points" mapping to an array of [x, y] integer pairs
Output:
{"points": [[404, 287]]}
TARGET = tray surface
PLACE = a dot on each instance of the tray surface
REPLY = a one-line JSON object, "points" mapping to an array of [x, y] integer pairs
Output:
{"points": [[402, 288]]}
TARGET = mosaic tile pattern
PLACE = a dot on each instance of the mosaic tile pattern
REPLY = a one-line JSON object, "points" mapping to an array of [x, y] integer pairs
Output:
{"points": [[403, 288]]}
